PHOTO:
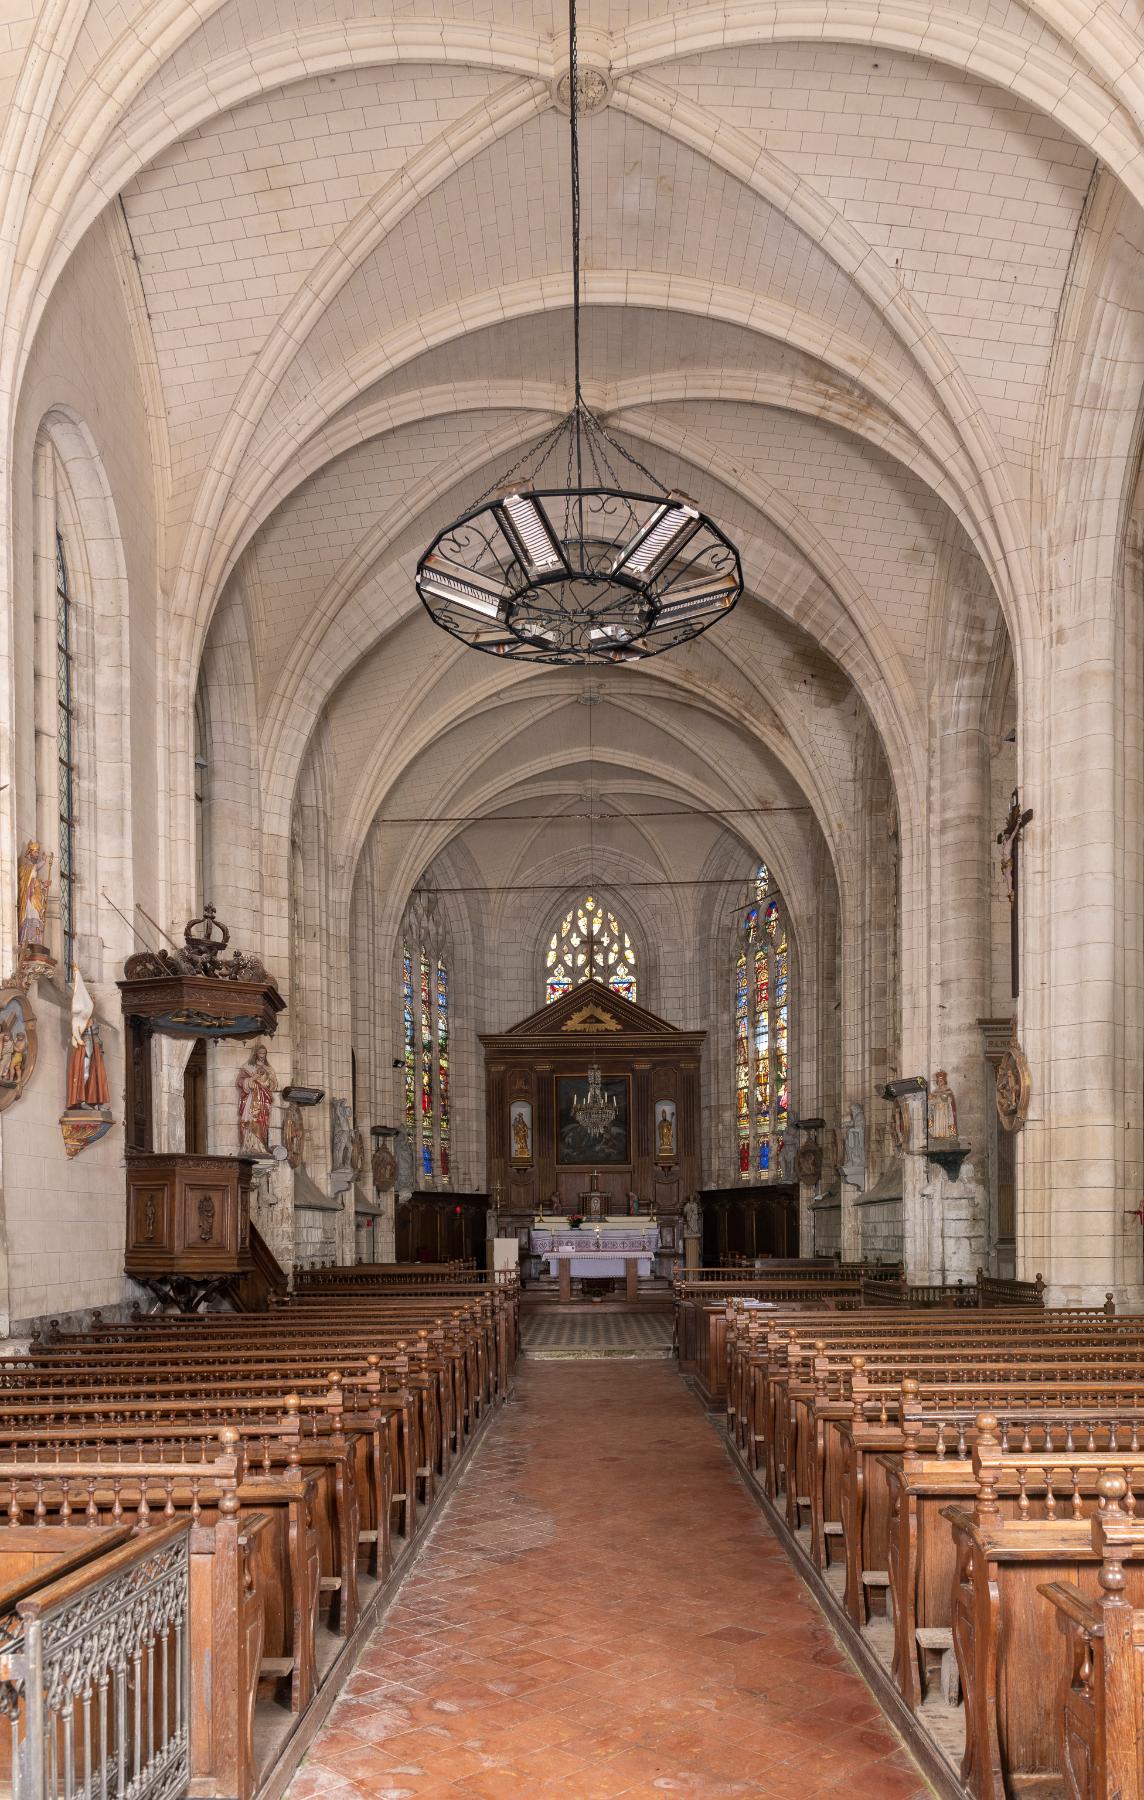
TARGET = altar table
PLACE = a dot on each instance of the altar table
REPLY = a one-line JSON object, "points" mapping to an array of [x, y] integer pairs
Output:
{"points": [[590, 1264], [597, 1265]]}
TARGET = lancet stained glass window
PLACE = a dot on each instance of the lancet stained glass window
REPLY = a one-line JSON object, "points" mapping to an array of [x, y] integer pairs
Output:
{"points": [[742, 1063], [590, 942], [425, 1025], [426, 1069], [407, 1026], [443, 1066], [762, 1030]]}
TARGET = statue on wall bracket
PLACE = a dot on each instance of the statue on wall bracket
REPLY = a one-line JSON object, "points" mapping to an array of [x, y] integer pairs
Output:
{"points": [[383, 1164], [294, 1135], [88, 1114], [941, 1111], [256, 1085], [33, 885], [852, 1168]]}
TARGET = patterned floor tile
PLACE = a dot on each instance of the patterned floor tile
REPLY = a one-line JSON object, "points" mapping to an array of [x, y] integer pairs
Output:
{"points": [[603, 1613]]}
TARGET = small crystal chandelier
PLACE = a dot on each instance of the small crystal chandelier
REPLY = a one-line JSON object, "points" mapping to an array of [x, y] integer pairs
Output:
{"points": [[596, 1113], [602, 567]]}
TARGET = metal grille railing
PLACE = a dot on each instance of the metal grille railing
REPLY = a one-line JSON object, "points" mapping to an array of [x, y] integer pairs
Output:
{"points": [[94, 1673]]}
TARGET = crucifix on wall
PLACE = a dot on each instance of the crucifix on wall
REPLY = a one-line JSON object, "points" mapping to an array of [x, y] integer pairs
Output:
{"points": [[1010, 838]]}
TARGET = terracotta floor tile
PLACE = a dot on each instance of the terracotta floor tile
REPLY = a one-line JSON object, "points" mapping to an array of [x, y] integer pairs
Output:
{"points": [[603, 1613]]}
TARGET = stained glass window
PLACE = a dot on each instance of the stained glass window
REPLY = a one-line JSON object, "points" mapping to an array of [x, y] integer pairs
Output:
{"points": [[66, 746], [426, 1068], [409, 1040], [426, 1027], [443, 1066], [742, 1064], [762, 1030], [590, 944]]}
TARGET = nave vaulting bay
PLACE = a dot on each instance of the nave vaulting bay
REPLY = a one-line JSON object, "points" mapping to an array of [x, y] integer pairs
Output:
{"points": [[603, 1611]]}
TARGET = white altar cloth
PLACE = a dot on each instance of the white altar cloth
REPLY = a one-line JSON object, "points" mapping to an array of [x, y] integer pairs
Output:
{"points": [[636, 1239], [596, 1265]]}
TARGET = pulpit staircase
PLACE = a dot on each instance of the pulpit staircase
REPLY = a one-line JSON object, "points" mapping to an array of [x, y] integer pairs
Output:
{"points": [[265, 1280]]}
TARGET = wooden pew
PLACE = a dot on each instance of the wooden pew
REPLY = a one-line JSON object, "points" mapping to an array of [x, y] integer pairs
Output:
{"points": [[349, 1409], [226, 1600], [1011, 1658], [1100, 1704]]}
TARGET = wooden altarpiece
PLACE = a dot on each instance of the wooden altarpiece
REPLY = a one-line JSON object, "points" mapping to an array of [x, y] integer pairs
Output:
{"points": [[650, 1068]]}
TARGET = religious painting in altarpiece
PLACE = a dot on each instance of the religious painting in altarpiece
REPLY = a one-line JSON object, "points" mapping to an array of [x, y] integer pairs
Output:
{"points": [[576, 1147]]}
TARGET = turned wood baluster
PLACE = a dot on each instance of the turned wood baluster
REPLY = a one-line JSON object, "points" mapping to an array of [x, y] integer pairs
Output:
{"points": [[986, 1461], [293, 1407]]}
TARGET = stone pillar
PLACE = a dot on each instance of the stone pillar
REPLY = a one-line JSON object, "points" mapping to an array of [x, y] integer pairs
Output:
{"points": [[1079, 1178], [961, 833]]}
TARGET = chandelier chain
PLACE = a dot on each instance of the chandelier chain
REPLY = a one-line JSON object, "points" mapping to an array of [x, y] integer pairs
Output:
{"points": [[579, 574]]}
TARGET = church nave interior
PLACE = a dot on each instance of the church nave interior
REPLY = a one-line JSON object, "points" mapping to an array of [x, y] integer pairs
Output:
{"points": [[572, 831]]}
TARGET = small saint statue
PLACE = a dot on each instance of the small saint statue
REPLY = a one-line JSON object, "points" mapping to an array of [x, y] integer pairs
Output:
{"points": [[853, 1167], [941, 1111], [294, 1136], [256, 1085], [692, 1218], [665, 1134], [404, 1180], [88, 1085], [383, 1167], [341, 1136], [521, 1147], [34, 879]]}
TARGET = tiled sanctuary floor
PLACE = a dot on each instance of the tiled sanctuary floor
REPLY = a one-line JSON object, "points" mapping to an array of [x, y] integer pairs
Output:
{"points": [[589, 1332], [603, 1611]]}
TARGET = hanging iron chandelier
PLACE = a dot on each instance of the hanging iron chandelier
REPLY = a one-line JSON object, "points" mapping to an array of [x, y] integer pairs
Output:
{"points": [[596, 1112], [607, 567]]}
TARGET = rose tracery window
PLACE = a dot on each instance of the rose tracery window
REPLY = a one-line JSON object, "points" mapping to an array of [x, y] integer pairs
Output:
{"points": [[590, 943]]}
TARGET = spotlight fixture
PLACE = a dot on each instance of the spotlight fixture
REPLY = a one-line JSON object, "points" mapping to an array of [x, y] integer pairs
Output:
{"points": [[605, 568]]}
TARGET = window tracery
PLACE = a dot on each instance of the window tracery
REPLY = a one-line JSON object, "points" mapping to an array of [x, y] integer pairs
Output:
{"points": [[590, 943]]}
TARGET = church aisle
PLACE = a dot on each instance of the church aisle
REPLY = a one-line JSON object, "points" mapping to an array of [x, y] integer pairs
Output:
{"points": [[603, 1612]]}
